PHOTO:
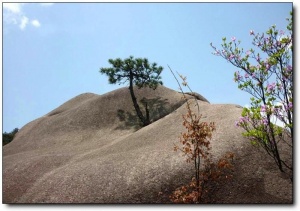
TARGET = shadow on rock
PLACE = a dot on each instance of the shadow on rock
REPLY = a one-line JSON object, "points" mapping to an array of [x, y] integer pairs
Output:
{"points": [[156, 108]]}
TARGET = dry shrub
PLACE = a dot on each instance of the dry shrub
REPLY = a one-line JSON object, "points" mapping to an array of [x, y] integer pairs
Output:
{"points": [[196, 147]]}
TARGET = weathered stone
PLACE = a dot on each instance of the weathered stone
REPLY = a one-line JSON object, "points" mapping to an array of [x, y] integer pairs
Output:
{"points": [[91, 149]]}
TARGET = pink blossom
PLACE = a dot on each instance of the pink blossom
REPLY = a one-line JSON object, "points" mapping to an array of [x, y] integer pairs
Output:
{"points": [[251, 32], [289, 106], [263, 108], [258, 66], [265, 121], [276, 110], [284, 78], [217, 52], [270, 87], [236, 123], [233, 39], [289, 68], [278, 43], [241, 121], [231, 56], [258, 58]]}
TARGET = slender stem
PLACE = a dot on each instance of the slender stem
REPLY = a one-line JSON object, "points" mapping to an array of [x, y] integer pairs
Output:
{"points": [[135, 104]]}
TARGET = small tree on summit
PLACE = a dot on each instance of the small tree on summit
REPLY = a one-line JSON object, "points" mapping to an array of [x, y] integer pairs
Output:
{"points": [[137, 72]]}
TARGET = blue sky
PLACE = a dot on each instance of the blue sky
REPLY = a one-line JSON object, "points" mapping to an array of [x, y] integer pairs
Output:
{"points": [[53, 52]]}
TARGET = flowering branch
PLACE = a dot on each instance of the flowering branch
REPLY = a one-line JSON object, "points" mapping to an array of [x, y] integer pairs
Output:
{"points": [[270, 82]]}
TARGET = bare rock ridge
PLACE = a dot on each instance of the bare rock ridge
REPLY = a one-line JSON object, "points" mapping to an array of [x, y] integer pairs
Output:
{"points": [[197, 96], [91, 149]]}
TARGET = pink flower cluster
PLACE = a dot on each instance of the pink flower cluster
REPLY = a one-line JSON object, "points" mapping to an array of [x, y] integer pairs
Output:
{"points": [[289, 68], [237, 76], [265, 121], [288, 106], [241, 121], [263, 108], [271, 87], [231, 57]]}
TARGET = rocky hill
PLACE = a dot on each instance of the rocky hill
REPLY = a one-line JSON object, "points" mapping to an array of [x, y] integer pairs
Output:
{"points": [[92, 149]]}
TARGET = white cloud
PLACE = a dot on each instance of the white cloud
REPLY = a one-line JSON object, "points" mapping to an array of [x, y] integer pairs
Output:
{"points": [[46, 4], [13, 7], [10, 18], [35, 23], [24, 22], [13, 14]]}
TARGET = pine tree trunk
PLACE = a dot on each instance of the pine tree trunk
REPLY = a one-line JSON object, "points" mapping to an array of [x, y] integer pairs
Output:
{"points": [[135, 104]]}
